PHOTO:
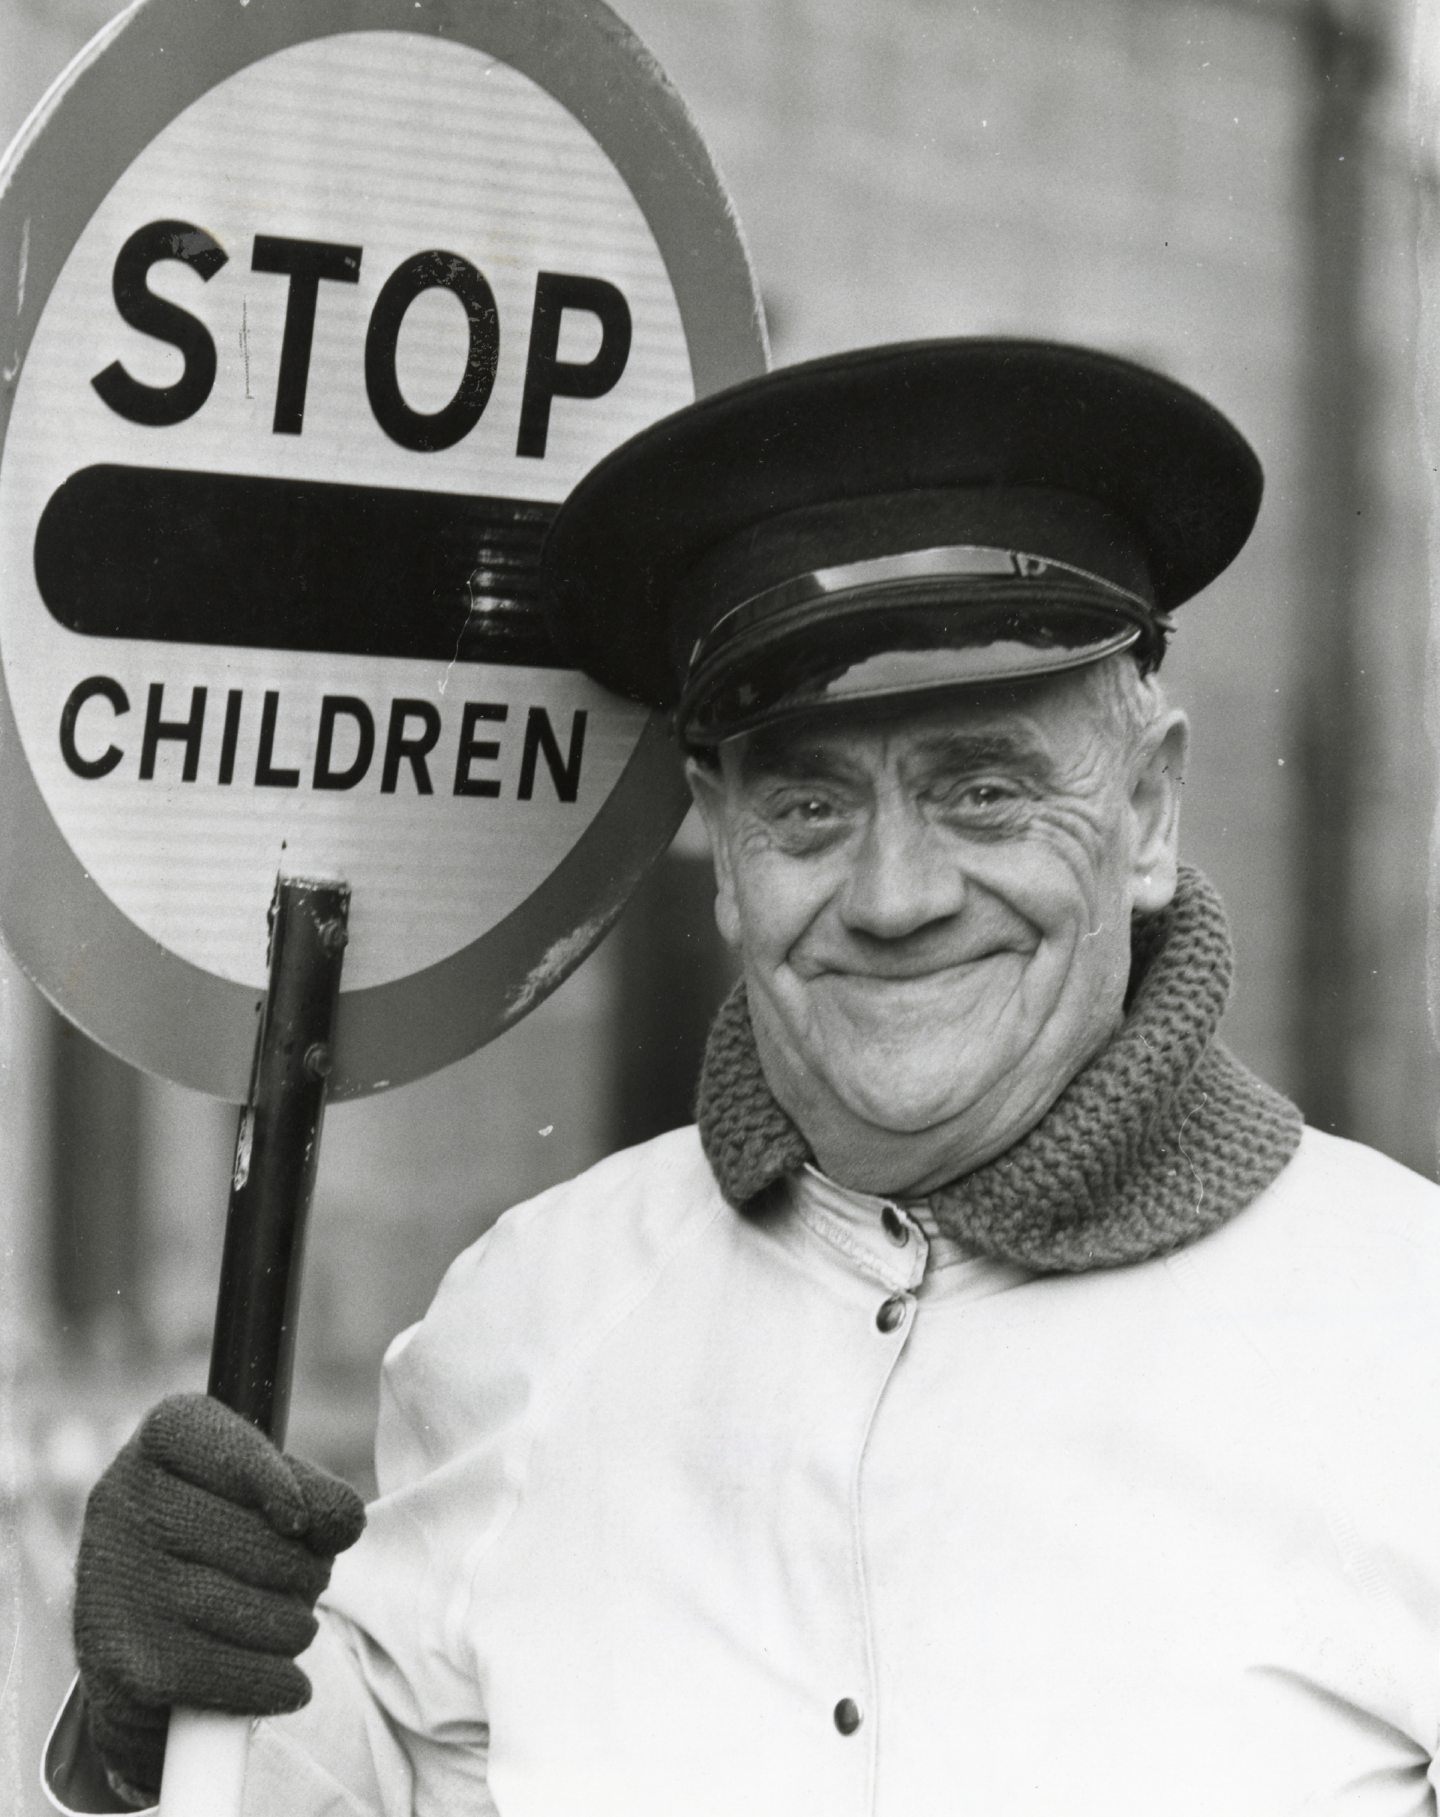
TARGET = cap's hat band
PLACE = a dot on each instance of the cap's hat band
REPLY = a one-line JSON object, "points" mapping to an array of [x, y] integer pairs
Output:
{"points": [[884, 574], [913, 622]]}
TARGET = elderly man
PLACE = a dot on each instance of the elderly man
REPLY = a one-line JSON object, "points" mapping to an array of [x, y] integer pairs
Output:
{"points": [[998, 1403]]}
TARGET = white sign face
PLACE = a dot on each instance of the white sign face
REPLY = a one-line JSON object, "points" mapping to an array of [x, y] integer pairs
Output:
{"points": [[185, 769], [309, 382]]}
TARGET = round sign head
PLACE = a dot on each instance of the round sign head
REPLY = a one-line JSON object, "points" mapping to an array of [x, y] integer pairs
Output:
{"points": [[323, 309]]}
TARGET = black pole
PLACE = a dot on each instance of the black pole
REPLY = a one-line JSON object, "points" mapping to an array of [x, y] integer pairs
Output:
{"points": [[276, 1151]]}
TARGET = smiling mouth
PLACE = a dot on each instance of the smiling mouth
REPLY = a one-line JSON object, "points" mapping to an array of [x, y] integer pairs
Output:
{"points": [[911, 973]]}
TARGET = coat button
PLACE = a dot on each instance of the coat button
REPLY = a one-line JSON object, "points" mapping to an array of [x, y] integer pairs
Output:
{"points": [[894, 1226], [847, 1716], [892, 1313]]}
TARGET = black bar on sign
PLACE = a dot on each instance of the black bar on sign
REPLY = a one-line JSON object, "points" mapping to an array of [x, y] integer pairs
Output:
{"points": [[282, 564]]}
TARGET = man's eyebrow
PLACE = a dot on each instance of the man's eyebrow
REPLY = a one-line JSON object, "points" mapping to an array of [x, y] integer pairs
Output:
{"points": [[789, 759], [964, 750], [776, 754]]}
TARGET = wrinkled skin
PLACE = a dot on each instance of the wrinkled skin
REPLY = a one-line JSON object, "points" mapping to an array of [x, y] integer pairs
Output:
{"points": [[932, 906]]}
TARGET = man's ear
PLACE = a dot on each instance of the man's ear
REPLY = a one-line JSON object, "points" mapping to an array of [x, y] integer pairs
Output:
{"points": [[709, 793], [1155, 788]]}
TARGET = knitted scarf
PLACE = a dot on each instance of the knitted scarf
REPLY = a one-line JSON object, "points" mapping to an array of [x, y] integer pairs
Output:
{"points": [[1161, 1138]]}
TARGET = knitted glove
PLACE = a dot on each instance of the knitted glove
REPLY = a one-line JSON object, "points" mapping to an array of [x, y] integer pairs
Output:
{"points": [[202, 1553]]}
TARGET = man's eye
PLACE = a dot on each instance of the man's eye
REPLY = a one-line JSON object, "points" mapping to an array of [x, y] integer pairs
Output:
{"points": [[988, 799], [806, 812], [799, 815]]}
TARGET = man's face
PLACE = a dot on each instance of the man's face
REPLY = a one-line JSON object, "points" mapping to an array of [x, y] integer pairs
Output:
{"points": [[933, 908]]}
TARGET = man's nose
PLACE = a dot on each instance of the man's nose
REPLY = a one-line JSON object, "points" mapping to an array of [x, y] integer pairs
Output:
{"points": [[905, 876]]}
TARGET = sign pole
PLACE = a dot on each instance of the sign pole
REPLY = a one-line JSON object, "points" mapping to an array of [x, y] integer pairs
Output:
{"points": [[276, 1152]]}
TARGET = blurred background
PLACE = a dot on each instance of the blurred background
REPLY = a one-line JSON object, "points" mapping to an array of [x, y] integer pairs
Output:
{"points": [[1240, 192]]}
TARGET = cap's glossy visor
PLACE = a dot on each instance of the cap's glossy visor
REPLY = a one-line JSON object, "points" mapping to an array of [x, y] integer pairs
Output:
{"points": [[918, 622]]}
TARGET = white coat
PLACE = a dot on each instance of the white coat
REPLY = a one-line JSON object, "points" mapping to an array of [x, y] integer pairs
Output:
{"points": [[686, 1513]]}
